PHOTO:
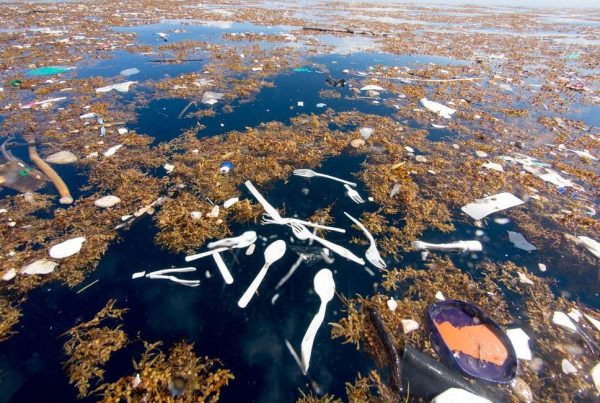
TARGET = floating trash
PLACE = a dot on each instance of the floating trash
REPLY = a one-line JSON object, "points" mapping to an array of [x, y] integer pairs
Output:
{"points": [[437, 108], [43, 266], [121, 87], [66, 248], [48, 70], [107, 201], [226, 166], [61, 157]]}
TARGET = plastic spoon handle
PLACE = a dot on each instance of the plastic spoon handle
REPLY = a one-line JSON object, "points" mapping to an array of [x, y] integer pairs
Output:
{"points": [[362, 227], [223, 268], [263, 202], [336, 179], [314, 225], [243, 302], [309, 336], [203, 254], [340, 250]]}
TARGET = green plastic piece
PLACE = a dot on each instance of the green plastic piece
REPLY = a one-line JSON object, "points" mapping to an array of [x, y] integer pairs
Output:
{"points": [[48, 70]]}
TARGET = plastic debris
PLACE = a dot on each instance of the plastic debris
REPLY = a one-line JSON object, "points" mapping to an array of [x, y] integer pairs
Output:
{"points": [[595, 322], [44, 104], [439, 296], [325, 289], [107, 201], [163, 36], [481, 154], [121, 87], [129, 72], [392, 304], [61, 157], [226, 166], [366, 132], [409, 325], [520, 342], [138, 275], [214, 213], [66, 248], [9, 274], [595, 373], [211, 98], [43, 266], [437, 108], [372, 88], [591, 245], [461, 246], [169, 168], [48, 70], [122, 130], [230, 202], [455, 395], [568, 367], [561, 319], [89, 115], [519, 241], [321, 105], [483, 207], [112, 150], [493, 166], [273, 253]]}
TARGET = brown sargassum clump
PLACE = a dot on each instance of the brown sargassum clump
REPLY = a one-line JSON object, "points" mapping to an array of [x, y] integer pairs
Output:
{"points": [[90, 346], [180, 376], [10, 316]]}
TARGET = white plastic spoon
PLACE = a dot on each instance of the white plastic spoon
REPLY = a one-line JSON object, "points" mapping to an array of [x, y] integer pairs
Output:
{"points": [[325, 288], [223, 269], [273, 253]]}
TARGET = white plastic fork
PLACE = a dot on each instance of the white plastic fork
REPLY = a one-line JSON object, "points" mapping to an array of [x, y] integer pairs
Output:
{"points": [[284, 221], [309, 173], [302, 233], [372, 254], [354, 195]]}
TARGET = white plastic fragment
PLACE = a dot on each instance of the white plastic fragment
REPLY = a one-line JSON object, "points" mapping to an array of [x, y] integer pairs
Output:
{"points": [[88, 115], [409, 325], [461, 246], [567, 367], [517, 239], [121, 87], [561, 319], [66, 248], [169, 168], [366, 132], [502, 220], [439, 296], [372, 88], [138, 275], [437, 108], [230, 202], [409, 149], [136, 381], [575, 315], [196, 215], [595, 373], [483, 207], [520, 342], [111, 151], [43, 266], [420, 158], [211, 98], [214, 213], [129, 72], [524, 279], [107, 201], [392, 304], [493, 166], [9, 275], [250, 250], [61, 157], [456, 395], [321, 105], [591, 245], [481, 154], [300, 103], [122, 130], [595, 322], [542, 267]]}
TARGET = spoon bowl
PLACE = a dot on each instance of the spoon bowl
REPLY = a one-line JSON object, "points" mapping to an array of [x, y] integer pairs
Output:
{"points": [[324, 285]]}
